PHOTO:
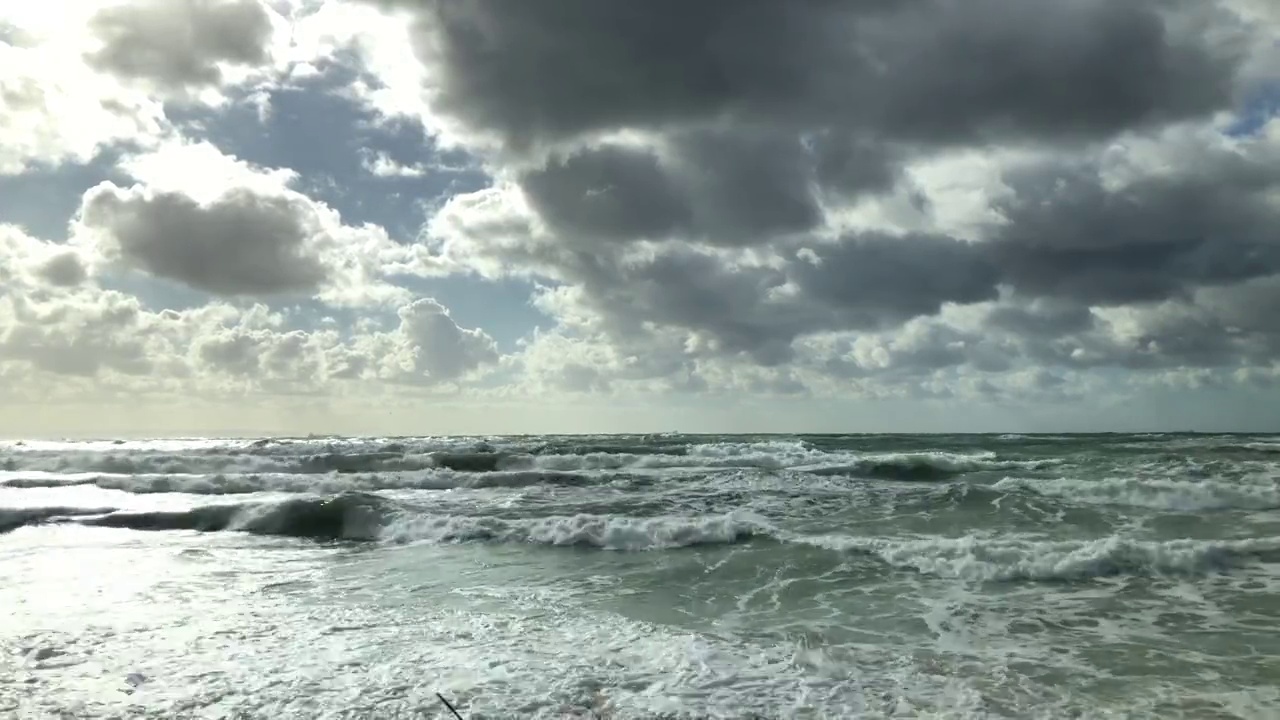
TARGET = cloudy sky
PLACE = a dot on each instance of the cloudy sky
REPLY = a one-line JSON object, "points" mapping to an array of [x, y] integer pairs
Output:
{"points": [[425, 216]]}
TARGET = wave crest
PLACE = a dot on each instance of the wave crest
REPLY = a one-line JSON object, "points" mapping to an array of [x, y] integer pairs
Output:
{"points": [[919, 467], [313, 484], [1157, 494], [365, 517], [987, 559], [13, 518], [605, 532], [351, 516]]}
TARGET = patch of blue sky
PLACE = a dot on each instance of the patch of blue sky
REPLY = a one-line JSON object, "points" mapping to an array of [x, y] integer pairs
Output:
{"points": [[327, 137], [43, 199], [330, 139], [1260, 106]]}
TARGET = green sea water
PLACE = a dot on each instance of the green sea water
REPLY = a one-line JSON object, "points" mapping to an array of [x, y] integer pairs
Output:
{"points": [[970, 576]]}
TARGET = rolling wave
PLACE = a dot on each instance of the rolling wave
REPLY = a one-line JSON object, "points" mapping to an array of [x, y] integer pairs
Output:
{"points": [[1157, 494], [223, 474], [351, 516], [283, 482], [365, 517], [119, 463], [975, 558], [278, 457], [604, 532], [922, 466], [13, 518]]}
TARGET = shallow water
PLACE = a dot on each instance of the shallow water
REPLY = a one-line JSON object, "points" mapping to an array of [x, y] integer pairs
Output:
{"points": [[696, 576]]}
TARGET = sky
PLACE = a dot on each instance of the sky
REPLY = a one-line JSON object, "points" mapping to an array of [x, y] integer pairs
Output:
{"points": [[486, 216]]}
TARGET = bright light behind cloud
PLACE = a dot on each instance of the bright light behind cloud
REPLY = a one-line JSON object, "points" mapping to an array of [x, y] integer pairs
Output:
{"points": [[395, 215]]}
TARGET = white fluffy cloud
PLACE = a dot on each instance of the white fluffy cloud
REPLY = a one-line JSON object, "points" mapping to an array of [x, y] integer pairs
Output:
{"points": [[79, 76], [52, 327]]}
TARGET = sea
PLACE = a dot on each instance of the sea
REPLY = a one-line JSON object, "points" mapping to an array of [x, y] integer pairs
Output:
{"points": [[645, 576]]}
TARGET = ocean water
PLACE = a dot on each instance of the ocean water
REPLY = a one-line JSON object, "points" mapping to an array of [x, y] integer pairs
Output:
{"points": [[979, 576]]}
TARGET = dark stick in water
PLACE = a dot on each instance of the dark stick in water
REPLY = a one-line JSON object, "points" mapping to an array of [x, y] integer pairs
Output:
{"points": [[451, 708]]}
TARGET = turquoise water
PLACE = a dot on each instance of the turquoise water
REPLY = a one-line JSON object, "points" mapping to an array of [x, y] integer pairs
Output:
{"points": [[635, 577]]}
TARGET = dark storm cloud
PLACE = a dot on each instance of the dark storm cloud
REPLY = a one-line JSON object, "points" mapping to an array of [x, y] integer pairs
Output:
{"points": [[923, 70], [1052, 320], [1069, 243], [533, 72], [752, 120], [608, 193], [869, 282], [699, 292], [1216, 327], [956, 70], [1069, 236], [180, 43], [724, 188], [877, 280], [747, 185], [850, 165]]}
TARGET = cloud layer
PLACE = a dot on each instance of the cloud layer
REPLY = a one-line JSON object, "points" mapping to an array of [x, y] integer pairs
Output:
{"points": [[1000, 201]]}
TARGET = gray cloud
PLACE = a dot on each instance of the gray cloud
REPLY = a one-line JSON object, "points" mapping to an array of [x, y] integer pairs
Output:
{"points": [[64, 269], [871, 281], [608, 193], [958, 71], [720, 186], [1049, 319], [1070, 236], [747, 185], [180, 43], [767, 109], [923, 70], [730, 307], [240, 244], [690, 163]]}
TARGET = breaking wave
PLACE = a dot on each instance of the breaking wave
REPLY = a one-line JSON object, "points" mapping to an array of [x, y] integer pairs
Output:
{"points": [[114, 463], [318, 484], [921, 467], [13, 518], [232, 474], [365, 517], [272, 457], [976, 558], [351, 516], [1158, 494], [605, 532]]}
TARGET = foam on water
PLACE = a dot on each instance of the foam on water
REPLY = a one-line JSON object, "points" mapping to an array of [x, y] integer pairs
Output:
{"points": [[808, 577], [985, 558], [1156, 493]]}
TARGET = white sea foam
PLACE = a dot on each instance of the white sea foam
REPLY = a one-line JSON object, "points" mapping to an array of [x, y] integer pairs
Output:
{"points": [[603, 532], [978, 558], [237, 484], [792, 577], [1159, 494]]}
